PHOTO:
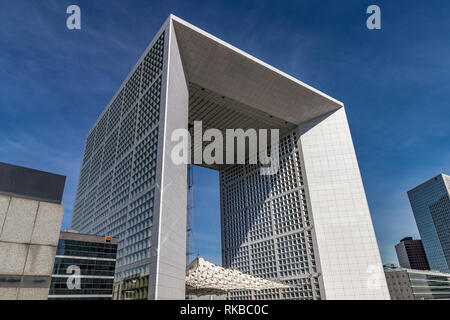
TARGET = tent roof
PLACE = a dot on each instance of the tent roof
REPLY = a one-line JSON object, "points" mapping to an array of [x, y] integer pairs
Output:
{"points": [[204, 278]]}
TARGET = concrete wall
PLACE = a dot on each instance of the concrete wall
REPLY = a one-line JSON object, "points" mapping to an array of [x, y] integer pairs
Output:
{"points": [[348, 253], [399, 285], [167, 271], [29, 233]]}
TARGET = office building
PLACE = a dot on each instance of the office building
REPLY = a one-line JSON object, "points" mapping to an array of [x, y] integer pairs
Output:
{"points": [[411, 255], [133, 287], [84, 267], [307, 223], [430, 203], [30, 220], [408, 284], [389, 266]]}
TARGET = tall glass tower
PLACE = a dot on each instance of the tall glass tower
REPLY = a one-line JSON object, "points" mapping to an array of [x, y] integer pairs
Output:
{"points": [[307, 224], [430, 203]]}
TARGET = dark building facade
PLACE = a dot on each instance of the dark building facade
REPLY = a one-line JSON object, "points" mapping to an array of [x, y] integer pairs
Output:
{"points": [[134, 287], [84, 267], [411, 254]]}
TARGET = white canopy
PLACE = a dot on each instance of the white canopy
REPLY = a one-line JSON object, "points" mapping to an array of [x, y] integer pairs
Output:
{"points": [[205, 278]]}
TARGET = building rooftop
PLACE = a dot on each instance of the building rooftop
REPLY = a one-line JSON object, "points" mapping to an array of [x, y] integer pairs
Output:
{"points": [[436, 178], [429, 272], [30, 183], [71, 234]]}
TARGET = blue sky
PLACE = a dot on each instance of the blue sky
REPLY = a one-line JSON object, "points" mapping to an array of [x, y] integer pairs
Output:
{"points": [[394, 82]]}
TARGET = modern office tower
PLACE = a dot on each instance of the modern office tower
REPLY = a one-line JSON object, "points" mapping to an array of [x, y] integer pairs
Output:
{"points": [[88, 259], [307, 223], [30, 219], [430, 203], [411, 254], [408, 284]]}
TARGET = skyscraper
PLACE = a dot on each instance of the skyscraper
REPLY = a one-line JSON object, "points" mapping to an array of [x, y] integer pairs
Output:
{"points": [[307, 223], [430, 203], [411, 255]]}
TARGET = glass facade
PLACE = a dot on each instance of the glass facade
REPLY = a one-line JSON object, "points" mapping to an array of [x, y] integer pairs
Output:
{"points": [[86, 249], [266, 226], [134, 287], [96, 262], [430, 205], [115, 194], [91, 289]]}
